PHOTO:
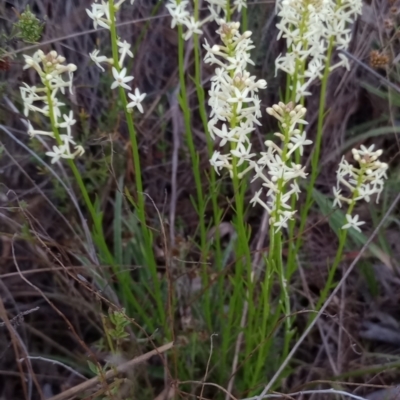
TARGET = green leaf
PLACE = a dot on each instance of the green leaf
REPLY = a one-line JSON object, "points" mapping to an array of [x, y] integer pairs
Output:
{"points": [[118, 252], [337, 219], [395, 100], [93, 367]]}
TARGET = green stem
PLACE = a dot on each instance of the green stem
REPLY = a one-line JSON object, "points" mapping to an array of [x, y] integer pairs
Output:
{"points": [[342, 242], [314, 163], [275, 261], [228, 10], [200, 204], [213, 187], [140, 206], [184, 103], [96, 218]]}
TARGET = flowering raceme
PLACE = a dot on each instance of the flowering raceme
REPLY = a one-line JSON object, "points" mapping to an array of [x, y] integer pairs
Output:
{"points": [[51, 70], [100, 14], [281, 170], [310, 27], [362, 182], [235, 106]]}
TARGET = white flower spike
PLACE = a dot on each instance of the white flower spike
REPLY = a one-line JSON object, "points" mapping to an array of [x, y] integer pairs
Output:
{"points": [[361, 182], [280, 170], [233, 97], [51, 70]]}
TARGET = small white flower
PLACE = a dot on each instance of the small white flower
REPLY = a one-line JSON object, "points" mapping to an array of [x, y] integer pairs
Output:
{"points": [[240, 97], [219, 161], [57, 153], [240, 4], [283, 217], [67, 140], [33, 132], [94, 56], [79, 151], [257, 200], [97, 14], [124, 49], [178, 12], [120, 79], [353, 222], [225, 134], [337, 197], [242, 153], [137, 99], [192, 26], [32, 62], [299, 141], [68, 120]]}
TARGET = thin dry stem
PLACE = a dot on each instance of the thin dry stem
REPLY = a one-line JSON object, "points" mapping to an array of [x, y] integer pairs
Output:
{"points": [[121, 369]]}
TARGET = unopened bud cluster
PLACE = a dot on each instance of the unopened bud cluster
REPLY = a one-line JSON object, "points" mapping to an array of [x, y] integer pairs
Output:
{"points": [[362, 182], [29, 27], [52, 72], [378, 59], [276, 167], [235, 106], [100, 14]]}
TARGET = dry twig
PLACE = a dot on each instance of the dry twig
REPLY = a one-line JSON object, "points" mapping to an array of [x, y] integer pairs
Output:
{"points": [[123, 368]]}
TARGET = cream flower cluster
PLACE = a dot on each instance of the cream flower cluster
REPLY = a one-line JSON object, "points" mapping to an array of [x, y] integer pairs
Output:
{"points": [[281, 171], [100, 14], [52, 71], [178, 10], [235, 106], [363, 181], [308, 27]]}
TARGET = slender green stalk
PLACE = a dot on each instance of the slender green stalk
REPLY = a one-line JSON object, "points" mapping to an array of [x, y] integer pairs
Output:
{"points": [[96, 218], [339, 253], [314, 165], [195, 159], [184, 103], [147, 236], [213, 187], [328, 284], [275, 261], [245, 22], [243, 266], [99, 237], [228, 10], [241, 279]]}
